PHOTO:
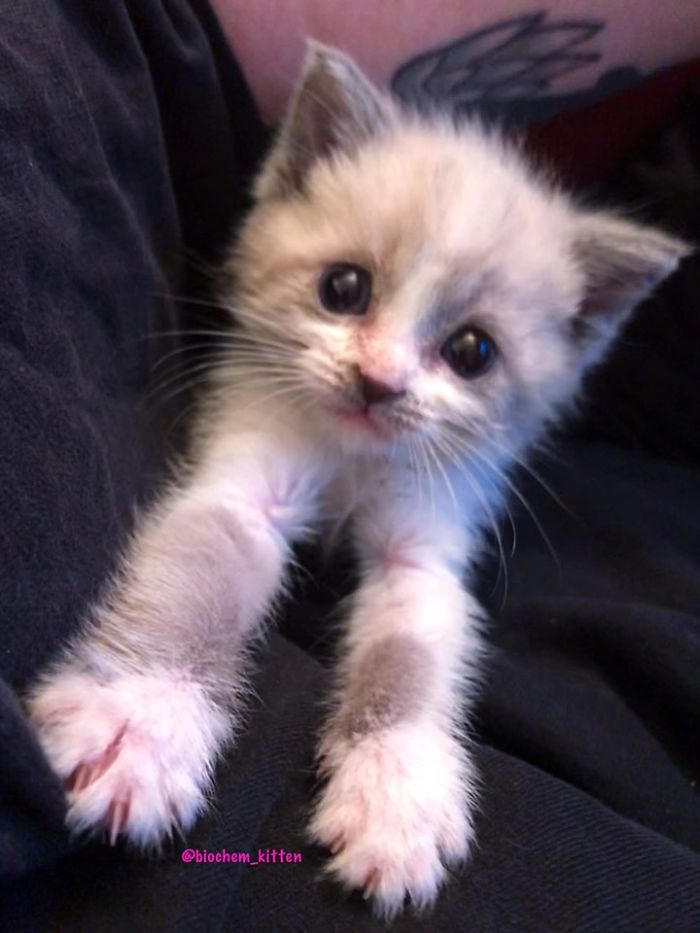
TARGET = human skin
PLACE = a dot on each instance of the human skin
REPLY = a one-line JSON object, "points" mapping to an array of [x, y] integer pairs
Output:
{"points": [[268, 36]]}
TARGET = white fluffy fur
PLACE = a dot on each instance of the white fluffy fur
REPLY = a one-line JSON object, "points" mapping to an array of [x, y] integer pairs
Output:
{"points": [[396, 812], [168, 734], [453, 228]]}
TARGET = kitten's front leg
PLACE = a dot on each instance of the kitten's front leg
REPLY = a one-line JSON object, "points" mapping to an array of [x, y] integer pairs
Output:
{"points": [[397, 806], [136, 713]]}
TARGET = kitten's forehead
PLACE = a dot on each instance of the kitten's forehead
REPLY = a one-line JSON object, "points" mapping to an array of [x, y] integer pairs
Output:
{"points": [[418, 184], [452, 206]]}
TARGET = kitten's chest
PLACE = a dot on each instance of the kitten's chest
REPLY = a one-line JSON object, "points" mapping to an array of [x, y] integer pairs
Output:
{"points": [[398, 491]]}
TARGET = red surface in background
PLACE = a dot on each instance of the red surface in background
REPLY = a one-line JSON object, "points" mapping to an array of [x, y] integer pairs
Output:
{"points": [[587, 145]]}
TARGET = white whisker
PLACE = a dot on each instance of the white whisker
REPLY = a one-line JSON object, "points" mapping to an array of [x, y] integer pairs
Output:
{"points": [[525, 503]]}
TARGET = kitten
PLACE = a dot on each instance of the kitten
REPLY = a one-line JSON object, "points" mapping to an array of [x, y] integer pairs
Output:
{"points": [[416, 308]]}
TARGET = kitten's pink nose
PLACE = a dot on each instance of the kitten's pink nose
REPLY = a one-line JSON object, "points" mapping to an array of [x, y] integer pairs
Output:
{"points": [[374, 390]]}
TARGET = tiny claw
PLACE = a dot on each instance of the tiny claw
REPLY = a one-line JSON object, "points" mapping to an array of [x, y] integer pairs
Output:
{"points": [[337, 844], [116, 818], [79, 778], [451, 862], [174, 812], [370, 885], [176, 820], [106, 760], [86, 774]]}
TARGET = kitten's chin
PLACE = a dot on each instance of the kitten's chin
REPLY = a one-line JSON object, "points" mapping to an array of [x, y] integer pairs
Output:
{"points": [[362, 421]]}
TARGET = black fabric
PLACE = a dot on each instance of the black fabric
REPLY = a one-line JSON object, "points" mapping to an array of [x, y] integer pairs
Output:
{"points": [[647, 397], [119, 158], [127, 139]]}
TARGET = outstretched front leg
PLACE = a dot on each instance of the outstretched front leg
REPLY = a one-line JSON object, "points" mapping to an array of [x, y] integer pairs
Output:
{"points": [[398, 804], [135, 714]]}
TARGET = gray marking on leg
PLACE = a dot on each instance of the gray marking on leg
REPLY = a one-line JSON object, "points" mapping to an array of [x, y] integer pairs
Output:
{"points": [[391, 683]]}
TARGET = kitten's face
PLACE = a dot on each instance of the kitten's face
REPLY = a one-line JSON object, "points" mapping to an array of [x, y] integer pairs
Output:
{"points": [[418, 286], [426, 290]]}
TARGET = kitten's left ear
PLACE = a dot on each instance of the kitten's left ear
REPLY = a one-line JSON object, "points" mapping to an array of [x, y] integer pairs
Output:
{"points": [[334, 107], [622, 263]]}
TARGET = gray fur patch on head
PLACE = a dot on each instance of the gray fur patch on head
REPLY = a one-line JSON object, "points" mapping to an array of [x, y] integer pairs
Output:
{"points": [[391, 684]]}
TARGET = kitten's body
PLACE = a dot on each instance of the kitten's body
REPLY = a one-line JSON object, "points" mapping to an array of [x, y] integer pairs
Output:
{"points": [[359, 416]]}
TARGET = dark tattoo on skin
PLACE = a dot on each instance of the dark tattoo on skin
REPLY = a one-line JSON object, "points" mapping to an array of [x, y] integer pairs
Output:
{"points": [[507, 72]]}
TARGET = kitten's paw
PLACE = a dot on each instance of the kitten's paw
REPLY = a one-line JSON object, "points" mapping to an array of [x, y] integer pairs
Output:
{"points": [[394, 814], [136, 753]]}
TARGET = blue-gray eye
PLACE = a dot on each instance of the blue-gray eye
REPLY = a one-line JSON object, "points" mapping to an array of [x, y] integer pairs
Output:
{"points": [[469, 352], [345, 288]]}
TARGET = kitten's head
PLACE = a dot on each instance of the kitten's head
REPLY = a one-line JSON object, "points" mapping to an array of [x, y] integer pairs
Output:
{"points": [[407, 279]]}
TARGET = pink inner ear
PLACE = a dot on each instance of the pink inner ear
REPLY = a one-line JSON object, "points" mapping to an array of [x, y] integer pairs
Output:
{"points": [[608, 299], [320, 134], [603, 310], [622, 263], [335, 106]]}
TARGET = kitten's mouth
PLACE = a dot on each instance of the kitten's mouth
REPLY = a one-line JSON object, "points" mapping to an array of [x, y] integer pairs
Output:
{"points": [[363, 420]]}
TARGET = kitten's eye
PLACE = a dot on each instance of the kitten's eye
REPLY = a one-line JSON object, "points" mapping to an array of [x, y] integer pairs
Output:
{"points": [[345, 289], [470, 352]]}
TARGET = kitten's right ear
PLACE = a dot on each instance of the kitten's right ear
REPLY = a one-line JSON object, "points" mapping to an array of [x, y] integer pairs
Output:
{"points": [[622, 262], [334, 107]]}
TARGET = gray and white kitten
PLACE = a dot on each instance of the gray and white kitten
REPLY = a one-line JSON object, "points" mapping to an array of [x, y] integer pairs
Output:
{"points": [[416, 308]]}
